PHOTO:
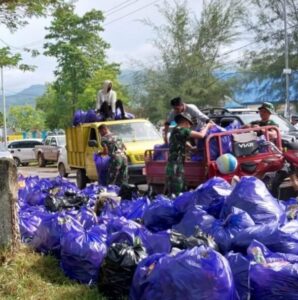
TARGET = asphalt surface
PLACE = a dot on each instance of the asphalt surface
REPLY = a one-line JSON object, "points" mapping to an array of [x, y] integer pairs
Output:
{"points": [[50, 171]]}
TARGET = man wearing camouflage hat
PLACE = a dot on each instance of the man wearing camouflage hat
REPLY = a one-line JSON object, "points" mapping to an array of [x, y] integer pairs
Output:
{"points": [[265, 111]]}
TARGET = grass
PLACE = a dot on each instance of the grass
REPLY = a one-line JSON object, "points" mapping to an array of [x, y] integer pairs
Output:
{"points": [[30, 276]]}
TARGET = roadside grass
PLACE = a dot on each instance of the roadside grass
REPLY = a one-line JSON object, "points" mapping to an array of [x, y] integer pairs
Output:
{"points": [[30, 276]]}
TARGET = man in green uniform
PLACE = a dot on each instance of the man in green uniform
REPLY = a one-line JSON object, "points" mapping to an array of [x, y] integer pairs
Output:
{"points": [[114, 147], [265, 111], [175, 182]]}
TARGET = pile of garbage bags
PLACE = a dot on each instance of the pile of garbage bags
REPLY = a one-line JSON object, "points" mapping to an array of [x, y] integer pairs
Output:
{"points": [[215, 242]]}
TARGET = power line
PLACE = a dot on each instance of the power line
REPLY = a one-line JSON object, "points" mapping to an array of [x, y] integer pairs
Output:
{"points": [[116, 7], [132, 12], [121, 8]]}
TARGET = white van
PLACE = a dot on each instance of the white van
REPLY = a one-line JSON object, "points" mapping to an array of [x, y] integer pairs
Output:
{"points": [[23, 151]]}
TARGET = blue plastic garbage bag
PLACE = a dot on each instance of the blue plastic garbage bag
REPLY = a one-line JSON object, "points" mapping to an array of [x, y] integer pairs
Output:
{"points": [[271, 276], [226, 142], [158, 242], [192, 218], [161, 215], [134, 209], [29, 221], [47, 236], [199, 273], [185, 201], [223, 231], [233, 125], [121, 224], [158, 153], [251, 195], [239, 265], [287, 238], [85, 216], [79, 117], [91, 116], [102, 164], [82, 252], [266, 233], [212, 194]]}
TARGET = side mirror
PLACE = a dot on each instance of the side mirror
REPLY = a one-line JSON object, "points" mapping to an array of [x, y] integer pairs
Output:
{"points": [[92, 143]]}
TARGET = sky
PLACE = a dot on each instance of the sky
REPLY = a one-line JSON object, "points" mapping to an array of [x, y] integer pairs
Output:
{"points": [[128, 37]]}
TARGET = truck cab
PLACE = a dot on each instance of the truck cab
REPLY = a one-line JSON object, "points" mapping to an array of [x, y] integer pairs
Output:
{"points": [[83, 141]]}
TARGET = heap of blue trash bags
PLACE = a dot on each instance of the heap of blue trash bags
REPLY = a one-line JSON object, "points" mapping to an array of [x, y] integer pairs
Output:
{"points": [[215, 242]]}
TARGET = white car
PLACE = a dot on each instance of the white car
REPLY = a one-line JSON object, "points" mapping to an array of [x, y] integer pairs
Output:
{"points": [[23, 150], [63, 167]]}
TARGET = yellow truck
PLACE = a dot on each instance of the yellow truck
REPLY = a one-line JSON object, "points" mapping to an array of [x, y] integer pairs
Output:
{"points": [[84, 140]]}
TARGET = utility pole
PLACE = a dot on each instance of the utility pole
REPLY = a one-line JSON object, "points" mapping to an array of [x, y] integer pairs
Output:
{"points": [[286, 70], [4, 110]]}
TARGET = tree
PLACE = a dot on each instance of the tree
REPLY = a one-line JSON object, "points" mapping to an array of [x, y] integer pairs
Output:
{"points": [[79, 50], [53, 109], [26, 118], [189, 56], [14, 13], [94, 84], [265, 59]]}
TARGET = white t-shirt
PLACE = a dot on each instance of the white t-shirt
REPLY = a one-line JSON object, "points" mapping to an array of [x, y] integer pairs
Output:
{"points": [[109, 97]]}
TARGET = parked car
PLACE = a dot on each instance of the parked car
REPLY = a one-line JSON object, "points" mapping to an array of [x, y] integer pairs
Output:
{"points": [[225, 117], [22, 151], [49, 151], [62, 165], [4, 153]]}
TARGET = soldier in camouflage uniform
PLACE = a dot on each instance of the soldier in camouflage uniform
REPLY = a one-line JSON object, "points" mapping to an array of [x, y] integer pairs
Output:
{"points": [[114, 147], [175, 182]]}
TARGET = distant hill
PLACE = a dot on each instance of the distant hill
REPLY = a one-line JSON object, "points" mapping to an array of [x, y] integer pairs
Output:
{"points": [[26, 96]]}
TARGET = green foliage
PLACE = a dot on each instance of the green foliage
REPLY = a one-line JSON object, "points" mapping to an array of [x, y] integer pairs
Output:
{"points": [[26, 118], [265, 59], [94, 84], [57, 113], [82, 66], [79, 50], [189, 56], [13, 13]]}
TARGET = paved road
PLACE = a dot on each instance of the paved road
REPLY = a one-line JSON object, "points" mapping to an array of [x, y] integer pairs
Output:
{"points": [[49, 171]]}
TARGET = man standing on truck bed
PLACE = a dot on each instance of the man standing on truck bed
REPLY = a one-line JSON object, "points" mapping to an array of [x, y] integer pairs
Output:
{"points": [[175, 182], [178, 107], [106, 102], [114, 147]]}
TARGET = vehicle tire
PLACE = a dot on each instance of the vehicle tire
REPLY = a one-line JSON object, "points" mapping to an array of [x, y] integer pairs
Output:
{"points": [[62, 170], [40, 160], [82, 179], [17, 161], [25, 164]]}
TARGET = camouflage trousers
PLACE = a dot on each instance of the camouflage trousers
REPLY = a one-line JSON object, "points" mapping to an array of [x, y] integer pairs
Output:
{"points": [[117, 170], [175, 181]]}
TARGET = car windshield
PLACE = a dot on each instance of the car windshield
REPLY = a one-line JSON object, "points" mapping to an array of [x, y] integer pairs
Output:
{"points": [[284, 125], [61, 140], [137, 131]]}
